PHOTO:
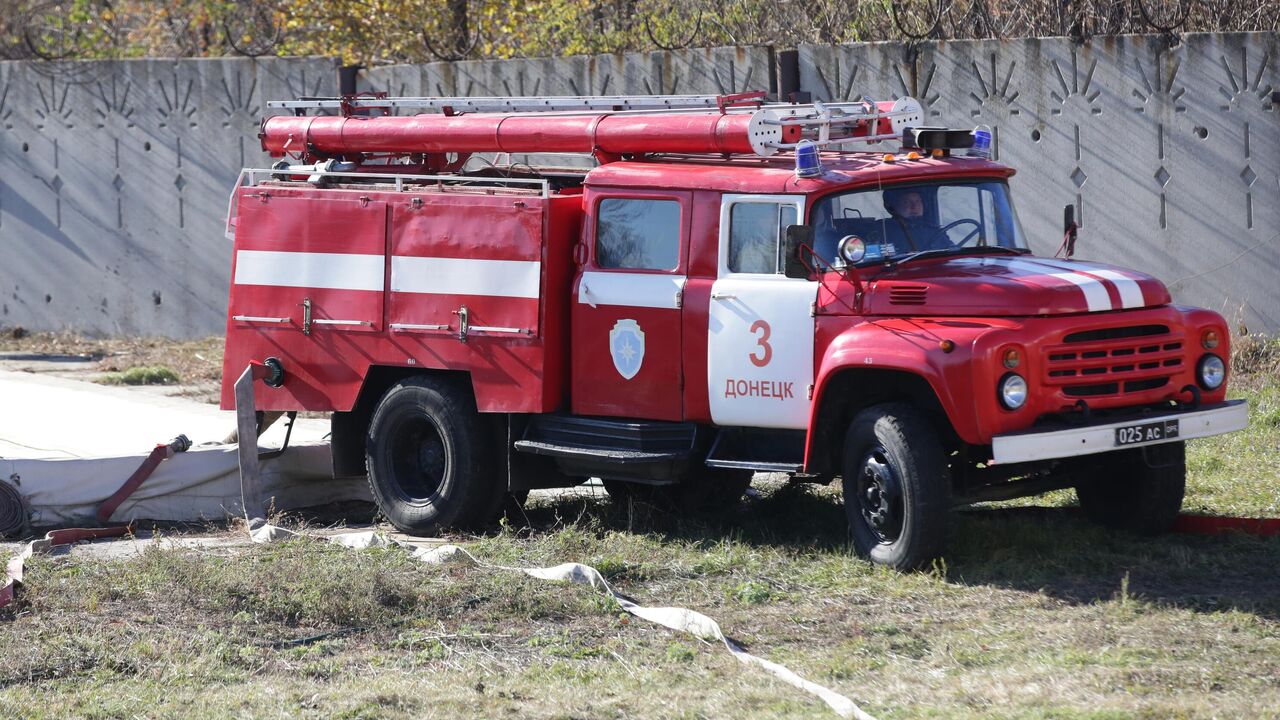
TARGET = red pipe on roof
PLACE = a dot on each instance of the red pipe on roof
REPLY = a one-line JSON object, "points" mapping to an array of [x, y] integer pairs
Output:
{"points": [[620, 134]]}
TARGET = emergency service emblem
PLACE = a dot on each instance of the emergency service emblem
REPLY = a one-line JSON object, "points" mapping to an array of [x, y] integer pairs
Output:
{"points": [[626, 345]]}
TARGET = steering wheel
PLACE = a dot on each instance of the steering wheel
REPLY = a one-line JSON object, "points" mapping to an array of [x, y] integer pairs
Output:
{"points": [[977, 228]]}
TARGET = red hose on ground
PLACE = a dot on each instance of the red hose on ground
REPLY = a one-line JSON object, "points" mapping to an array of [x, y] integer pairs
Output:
{"points": [[1216, 525], [159, 454]]}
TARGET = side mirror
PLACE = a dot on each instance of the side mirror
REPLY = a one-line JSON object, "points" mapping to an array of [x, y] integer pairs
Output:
{"points": [[1069, 229], [799, 237]]}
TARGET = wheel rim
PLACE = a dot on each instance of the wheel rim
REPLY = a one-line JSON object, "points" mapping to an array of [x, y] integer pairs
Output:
{"points": [[419, 460], [878, 494]]}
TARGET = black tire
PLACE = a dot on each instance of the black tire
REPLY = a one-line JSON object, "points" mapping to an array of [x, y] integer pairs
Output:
{"points": [[896, 485], [712, 489], [430, 458], [709, 489], [623, 492], [1138, 490]]}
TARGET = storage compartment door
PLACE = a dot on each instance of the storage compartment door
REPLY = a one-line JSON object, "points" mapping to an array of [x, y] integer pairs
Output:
{"points": [[309, 265]]}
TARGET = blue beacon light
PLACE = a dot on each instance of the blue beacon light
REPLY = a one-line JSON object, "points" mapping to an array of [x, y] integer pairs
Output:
{"points": [[981, 143], [808, 164]]}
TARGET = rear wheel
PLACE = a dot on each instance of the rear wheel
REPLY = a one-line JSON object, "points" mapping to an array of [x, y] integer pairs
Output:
{"points": [[429, 458], [1138, 490], [896, 486]]}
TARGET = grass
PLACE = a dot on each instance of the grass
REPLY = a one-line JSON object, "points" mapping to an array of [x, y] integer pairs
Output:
{"points": [[1238, 474], [1033, 614], [148, 375]]}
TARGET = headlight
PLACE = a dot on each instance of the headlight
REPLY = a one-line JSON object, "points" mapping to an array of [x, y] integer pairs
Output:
{"points": [[1211, 371], [1013, 391], [852, 249]]}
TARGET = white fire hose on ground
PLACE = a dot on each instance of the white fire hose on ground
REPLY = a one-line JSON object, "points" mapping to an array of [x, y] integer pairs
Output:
{"points": [[253, 505], [675, 618], [679, 619]]}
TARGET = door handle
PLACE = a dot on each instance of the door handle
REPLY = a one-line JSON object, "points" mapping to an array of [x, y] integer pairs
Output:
{"points": [[723, 296]]}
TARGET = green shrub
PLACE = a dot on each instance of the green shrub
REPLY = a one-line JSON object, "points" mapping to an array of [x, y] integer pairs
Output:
{"points": [[155, 375]]}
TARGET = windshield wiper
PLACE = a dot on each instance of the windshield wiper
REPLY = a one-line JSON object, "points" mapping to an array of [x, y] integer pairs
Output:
{"points": [[892, 262]]}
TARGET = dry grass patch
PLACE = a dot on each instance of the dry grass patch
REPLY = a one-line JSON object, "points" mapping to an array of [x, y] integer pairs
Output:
{"points": [[1034, 614], [194, 364]]}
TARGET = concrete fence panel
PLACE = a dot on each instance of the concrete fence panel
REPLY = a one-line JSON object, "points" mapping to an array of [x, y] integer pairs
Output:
{"points": [[1170, 155], [114, 176]]}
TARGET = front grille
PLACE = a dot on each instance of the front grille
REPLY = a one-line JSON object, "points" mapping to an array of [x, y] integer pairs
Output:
{"points": [[1114, 361], [1116, 333], [1132, 386]]}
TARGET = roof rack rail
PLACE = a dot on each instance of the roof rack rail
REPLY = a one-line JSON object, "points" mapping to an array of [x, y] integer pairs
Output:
{"points": [[553, 103]]}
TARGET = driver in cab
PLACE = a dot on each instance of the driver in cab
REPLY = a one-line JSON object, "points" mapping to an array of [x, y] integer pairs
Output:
{"points": [[909, 228]]}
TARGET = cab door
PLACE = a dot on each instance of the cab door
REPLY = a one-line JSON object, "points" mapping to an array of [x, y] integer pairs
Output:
{"points": [[625, 337], [760, 329]]}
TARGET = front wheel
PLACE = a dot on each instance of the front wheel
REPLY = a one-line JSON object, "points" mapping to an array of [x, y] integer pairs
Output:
{"points": [[1138, 490], [429, 458], [896, 486]]}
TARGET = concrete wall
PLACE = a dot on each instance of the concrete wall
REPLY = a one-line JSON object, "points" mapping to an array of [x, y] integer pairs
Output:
{"points": [[1172, 156], [114, 179], [114, 176]]}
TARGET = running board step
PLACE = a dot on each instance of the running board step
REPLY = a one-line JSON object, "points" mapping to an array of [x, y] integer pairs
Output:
{"points": [[757, 465], [607, 439], [622, 457], [758, 449]]}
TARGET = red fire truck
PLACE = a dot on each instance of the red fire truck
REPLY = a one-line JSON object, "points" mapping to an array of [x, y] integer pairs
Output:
{"points": [[824, 290]]}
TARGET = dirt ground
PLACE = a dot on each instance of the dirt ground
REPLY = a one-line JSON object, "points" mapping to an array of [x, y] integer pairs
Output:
{"points": [[1034, 613], [196, 363]]}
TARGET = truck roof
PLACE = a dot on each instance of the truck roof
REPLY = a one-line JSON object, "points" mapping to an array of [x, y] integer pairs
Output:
{"points": [[777, 174]]}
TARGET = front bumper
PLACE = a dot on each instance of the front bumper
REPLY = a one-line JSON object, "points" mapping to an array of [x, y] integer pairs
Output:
{"points": [[1088, 439]]}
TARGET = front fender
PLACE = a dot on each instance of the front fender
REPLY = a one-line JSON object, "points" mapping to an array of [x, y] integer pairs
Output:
{"points": [[938, 352]]}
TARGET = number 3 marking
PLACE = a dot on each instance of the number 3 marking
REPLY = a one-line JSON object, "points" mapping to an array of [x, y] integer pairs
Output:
{"points": [[764, 344]]}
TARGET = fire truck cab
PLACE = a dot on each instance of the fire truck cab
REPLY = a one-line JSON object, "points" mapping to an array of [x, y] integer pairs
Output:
{"points": [[736, 287]]}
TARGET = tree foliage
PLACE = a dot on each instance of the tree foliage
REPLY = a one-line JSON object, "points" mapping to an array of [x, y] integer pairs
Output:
{"points": [[374, 32]]}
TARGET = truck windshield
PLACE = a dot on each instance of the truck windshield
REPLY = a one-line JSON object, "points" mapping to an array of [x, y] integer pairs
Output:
{"points": [[900, 220]]}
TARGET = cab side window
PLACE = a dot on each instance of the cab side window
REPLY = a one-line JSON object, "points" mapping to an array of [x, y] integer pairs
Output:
{"points": [[756, 231], [973, 207], [636, 234]]}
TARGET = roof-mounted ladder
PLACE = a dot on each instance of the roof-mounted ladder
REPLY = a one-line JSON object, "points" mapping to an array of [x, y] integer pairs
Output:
{"points": [[609, 125]]}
